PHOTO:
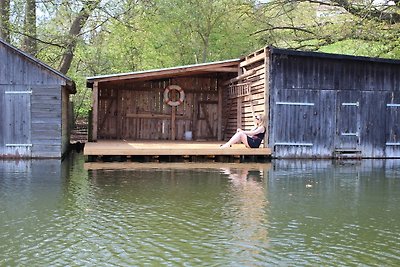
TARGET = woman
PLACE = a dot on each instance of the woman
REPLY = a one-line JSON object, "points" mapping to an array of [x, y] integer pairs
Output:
{"points": [[252, 138]]}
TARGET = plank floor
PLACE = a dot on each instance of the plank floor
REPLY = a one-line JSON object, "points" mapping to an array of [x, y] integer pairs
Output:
{"points": [[168, 148]]}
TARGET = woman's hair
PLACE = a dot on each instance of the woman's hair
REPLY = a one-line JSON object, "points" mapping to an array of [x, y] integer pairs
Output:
{"points": [[263, 120]]}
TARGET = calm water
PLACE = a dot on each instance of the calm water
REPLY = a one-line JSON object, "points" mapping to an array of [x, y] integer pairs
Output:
{"points": [[288, 213]]}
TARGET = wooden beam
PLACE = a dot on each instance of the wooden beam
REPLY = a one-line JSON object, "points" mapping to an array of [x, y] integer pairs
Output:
{"points": [[219, 113], [239, 113], [252, 60], [95, 98], [222, 69], [173, 123], [155, 116], [165, 72], [240, 77], [266, 99], [157, 148]]}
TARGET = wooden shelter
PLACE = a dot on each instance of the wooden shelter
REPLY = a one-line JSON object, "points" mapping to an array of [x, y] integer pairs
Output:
{"points": [[318, 105], [186, 103], [34, 103]]}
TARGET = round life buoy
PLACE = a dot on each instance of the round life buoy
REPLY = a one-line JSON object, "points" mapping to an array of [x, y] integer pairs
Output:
{"points": [[168, 101]]}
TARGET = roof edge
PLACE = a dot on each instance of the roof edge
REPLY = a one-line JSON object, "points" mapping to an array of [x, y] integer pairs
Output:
{"points": [[69, 82], [91, 79], [285, 51]]}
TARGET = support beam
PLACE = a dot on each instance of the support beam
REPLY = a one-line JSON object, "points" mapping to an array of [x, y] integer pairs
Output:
{"points": [[95, 103], [240, 77]]}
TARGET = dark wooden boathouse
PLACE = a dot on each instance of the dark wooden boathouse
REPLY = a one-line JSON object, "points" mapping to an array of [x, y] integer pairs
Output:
{"points": [[318, 105], [34, 106], [328, 105]]}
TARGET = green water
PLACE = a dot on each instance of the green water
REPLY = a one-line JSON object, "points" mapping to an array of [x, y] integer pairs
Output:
{"points": [[285, 213]]}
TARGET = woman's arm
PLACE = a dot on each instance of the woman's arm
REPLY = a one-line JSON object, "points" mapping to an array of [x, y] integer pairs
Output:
{"points": [[255, 131]]}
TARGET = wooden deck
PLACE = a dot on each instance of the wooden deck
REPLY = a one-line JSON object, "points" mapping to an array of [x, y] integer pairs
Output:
{"points": [[155, 148]]}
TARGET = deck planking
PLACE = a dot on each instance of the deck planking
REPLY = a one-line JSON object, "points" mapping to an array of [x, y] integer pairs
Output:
{"points": [[168, 148]]}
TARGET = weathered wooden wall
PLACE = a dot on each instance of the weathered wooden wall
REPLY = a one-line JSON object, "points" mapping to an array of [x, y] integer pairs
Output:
{"points": [[322, 105], [137, 110], [241, 107], [66, 120], [31, 107]]}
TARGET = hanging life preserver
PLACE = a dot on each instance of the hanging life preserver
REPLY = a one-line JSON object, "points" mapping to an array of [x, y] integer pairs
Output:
{"points": [[168, 101]]}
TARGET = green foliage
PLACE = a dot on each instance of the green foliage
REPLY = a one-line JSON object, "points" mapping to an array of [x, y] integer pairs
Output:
{"points": [[133, 35]]}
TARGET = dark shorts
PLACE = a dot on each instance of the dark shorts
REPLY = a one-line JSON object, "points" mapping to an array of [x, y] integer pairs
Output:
{"points": [[254, 143]]}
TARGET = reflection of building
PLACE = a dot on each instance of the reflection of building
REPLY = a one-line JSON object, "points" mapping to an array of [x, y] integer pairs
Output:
{"points": [[31, 185], [248, 208]]}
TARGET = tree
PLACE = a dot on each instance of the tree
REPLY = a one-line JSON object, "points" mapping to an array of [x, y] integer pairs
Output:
{"points": [[5, 20], [199, 31], [74, 32], [333, 23], [30, 38]]}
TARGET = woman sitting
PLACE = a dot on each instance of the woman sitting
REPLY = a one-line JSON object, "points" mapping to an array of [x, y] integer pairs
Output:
{"points": [[252, 138]]}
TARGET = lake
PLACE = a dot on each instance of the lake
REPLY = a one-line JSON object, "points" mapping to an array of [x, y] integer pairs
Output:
{"points": [[287, 213]]}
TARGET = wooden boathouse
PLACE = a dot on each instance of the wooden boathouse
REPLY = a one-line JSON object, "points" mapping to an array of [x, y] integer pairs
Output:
{"points": [[328, 105], [185, 110], [34, 106], [318, 105]]}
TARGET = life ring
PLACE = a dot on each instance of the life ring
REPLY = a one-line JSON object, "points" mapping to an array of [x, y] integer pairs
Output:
{"points": [[168, 101]]}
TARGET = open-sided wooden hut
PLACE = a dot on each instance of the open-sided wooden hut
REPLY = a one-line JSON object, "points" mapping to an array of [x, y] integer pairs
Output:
{"points": [[189, 103], [161, 104], [318, 104], [34, 106]]}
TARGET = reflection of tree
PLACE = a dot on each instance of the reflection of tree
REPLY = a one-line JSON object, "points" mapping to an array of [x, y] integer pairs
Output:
{"points": [[248, 210]]}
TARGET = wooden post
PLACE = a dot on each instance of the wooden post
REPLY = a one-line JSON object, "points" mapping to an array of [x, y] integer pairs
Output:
{"points": [[95, 103], [173, 115], [119, 117], [239, 112], [173, 126], [266, 95], [219, 111]]}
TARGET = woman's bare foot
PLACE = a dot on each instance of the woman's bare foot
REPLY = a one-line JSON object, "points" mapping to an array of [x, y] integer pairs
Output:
{"points": [[225, 146]]}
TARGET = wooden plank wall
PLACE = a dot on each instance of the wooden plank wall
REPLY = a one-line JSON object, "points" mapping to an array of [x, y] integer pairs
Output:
{"points": [[66, 120], [137, 110], [239, 112], [18, 73], [46, 121], [309, 99]]}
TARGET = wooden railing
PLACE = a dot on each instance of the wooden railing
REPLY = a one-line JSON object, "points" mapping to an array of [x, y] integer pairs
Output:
{"points": [[238, 90]]}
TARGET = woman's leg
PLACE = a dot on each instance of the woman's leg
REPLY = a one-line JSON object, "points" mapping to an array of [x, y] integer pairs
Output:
{"points": [[236, 138]]}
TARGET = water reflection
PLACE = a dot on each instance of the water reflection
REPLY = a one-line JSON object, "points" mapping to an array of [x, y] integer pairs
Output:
{"points": [[30, 193], [283, 213], [336, 211], [247, 209]]}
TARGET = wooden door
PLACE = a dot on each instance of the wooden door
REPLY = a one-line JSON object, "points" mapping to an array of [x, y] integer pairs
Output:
{"points": [[108, 114], [207, 120], [392, 132], [348, 120], [17, 135]]}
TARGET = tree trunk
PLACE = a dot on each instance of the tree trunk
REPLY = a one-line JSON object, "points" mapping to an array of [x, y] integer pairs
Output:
{"points": [[5, 20], [30, 43], [74, 32]]}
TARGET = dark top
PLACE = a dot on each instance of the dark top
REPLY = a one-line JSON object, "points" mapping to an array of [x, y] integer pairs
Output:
{"points": [[259, 135], [255, 141]]}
